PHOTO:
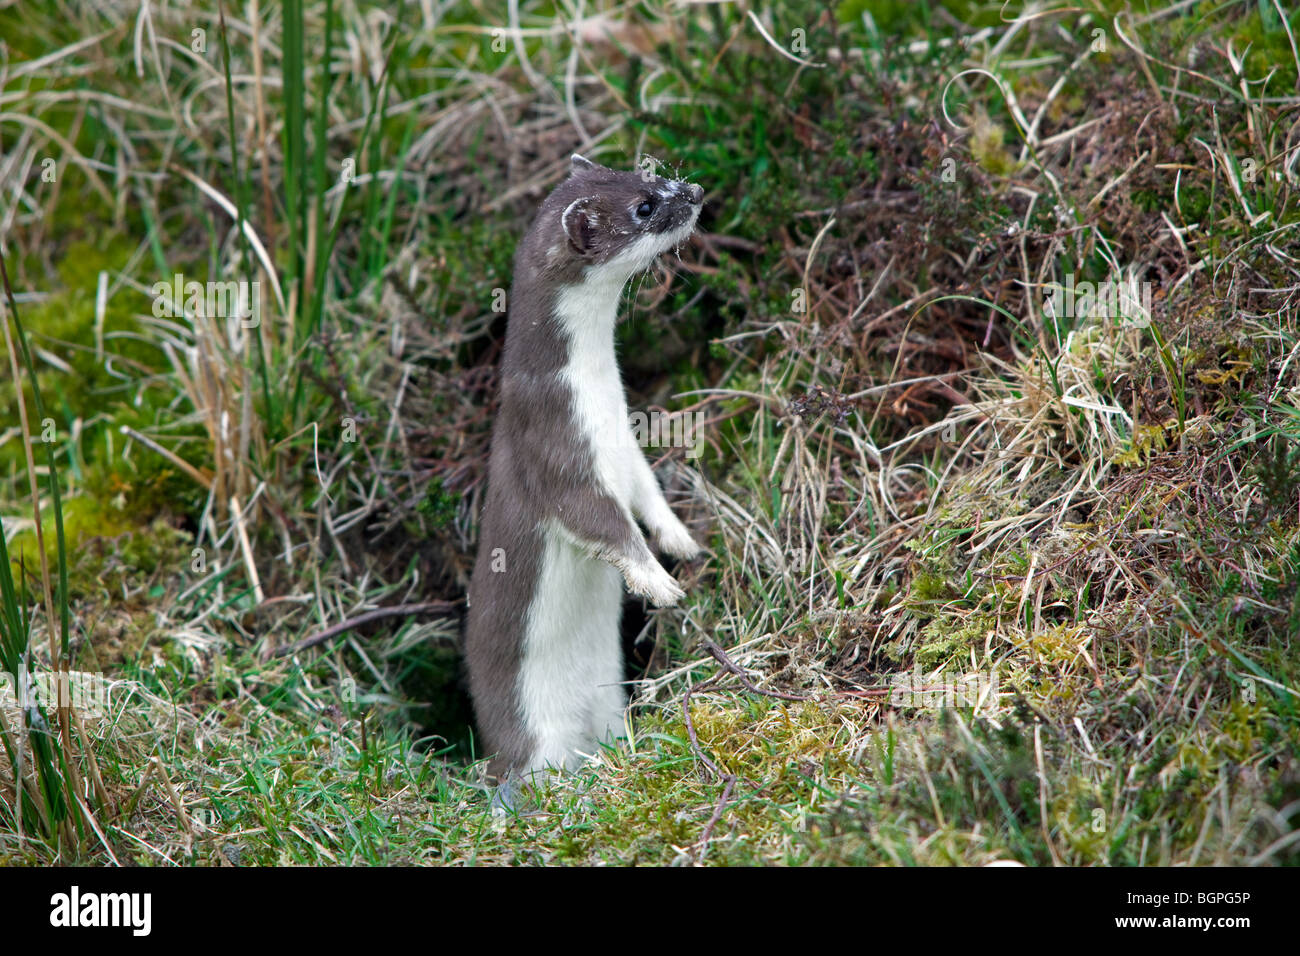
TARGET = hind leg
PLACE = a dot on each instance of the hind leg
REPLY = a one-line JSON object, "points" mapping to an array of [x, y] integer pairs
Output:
{"points": [[609, 695], [594, 717], [608, 713], [561, 745]]}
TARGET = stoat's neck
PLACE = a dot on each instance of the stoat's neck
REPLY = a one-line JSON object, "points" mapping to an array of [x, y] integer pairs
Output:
{"points": [[588, 312]]}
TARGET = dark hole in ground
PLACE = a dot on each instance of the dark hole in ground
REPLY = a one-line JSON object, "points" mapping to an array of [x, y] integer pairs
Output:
{"points": [[432, 678]]}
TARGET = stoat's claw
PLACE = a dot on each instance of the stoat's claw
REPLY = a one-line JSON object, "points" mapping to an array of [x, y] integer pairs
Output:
{"points": [[675, 540], [653, 582]]}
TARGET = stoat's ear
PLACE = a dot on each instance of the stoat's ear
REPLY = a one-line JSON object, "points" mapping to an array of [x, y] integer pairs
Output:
{"points": [[579, 221], [582, 163]]}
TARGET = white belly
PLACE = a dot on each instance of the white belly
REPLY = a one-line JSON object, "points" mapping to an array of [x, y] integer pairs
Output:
{"points": [[570, 679]]}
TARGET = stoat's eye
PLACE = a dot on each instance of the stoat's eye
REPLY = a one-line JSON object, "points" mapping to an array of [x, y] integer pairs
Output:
{"points": [[644, 210]]}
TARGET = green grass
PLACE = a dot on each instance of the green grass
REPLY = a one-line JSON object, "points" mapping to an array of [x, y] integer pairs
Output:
{"points": [[49, 803]]}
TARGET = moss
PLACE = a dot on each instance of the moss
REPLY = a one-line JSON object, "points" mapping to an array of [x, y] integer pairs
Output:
{"points": [[987, 148], [438, 506], [894, 16], [1194, 203], [89, 394], [84, 518], [1147, 439], [109, 552], [1263, 37], [942, 640]]}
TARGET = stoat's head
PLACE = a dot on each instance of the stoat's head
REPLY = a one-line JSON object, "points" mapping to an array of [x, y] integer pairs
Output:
{"points": [[613, 223]]}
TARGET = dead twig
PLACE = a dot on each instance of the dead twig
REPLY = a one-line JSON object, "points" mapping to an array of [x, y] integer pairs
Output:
{"points": [[728, 779], [732, 668], [378, 614]]}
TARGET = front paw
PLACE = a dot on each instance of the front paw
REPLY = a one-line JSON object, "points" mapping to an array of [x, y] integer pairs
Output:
{"points": [[675, 540], [653, 582]]}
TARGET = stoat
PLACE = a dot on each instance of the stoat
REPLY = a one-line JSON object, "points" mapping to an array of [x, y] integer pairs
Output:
{"points": [[567, 482]]}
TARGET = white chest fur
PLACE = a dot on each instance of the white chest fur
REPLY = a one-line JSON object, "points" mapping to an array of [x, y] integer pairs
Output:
{"points": [[588, 313]]}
